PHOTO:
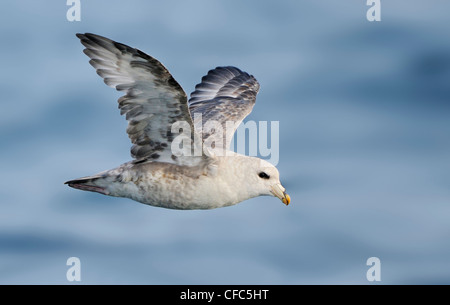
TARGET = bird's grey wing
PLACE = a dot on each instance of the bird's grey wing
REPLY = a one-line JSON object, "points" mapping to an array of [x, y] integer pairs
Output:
{"points": [[153, 99], [224, 94]]}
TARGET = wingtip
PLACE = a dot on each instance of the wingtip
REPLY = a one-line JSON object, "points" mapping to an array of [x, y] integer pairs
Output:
{"points": [[88, 36]]}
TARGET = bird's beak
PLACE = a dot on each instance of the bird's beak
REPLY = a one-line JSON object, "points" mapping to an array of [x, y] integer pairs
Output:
{"points": [[279, 191]]}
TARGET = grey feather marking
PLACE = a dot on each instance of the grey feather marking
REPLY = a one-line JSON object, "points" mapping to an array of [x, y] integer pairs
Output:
{"points": [[153, 99], [225, 94]]}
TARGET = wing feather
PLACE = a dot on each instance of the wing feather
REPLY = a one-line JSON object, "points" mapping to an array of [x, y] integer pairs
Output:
{"points": [[224, 94], [153, 99]]}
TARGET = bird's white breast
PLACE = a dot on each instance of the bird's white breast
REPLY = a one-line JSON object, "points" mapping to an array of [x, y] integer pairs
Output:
{"points": [[178, 187]]}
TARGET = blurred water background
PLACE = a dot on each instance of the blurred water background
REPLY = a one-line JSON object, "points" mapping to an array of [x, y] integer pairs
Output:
{"points": [[364, 143]]}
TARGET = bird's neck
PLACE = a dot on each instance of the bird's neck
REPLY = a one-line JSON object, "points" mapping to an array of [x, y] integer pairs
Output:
{"points": [[235, 171]]}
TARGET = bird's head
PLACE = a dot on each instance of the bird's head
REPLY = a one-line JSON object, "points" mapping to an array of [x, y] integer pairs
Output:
{"points": [[267, 180]]}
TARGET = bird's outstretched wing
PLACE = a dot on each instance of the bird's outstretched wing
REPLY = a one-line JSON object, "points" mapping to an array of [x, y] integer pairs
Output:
{"points": [[225, 94], [153, 99]]}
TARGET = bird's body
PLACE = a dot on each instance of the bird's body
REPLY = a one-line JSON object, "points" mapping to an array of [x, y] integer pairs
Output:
{"points": [[218, 184], [163, 172]]}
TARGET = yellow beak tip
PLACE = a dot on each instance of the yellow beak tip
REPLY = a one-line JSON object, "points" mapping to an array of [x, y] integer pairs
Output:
{"points": [[287, 199]]}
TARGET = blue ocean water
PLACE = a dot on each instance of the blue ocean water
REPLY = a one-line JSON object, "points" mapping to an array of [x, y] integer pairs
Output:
{"points": [[364, 144]]}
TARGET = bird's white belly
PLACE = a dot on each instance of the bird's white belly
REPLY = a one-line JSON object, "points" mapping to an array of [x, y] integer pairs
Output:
{"points": [[158, 188]]}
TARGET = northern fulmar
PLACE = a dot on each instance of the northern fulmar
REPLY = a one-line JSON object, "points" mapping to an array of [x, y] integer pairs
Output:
{"points": [[170, 171]]}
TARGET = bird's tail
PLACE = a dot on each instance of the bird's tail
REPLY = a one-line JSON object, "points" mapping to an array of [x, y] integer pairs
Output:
{"points": [[91, 184]]}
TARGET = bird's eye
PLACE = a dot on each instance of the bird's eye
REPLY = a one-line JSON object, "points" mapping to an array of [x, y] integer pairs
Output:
{"points": [[263, 175]]}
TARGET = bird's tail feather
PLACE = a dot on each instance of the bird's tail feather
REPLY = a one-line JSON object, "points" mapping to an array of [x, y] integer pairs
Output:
{"points": [[89, 184]]}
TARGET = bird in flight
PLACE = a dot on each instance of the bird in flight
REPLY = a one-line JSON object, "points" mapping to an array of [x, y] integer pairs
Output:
{"points": [[172, 170]]}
